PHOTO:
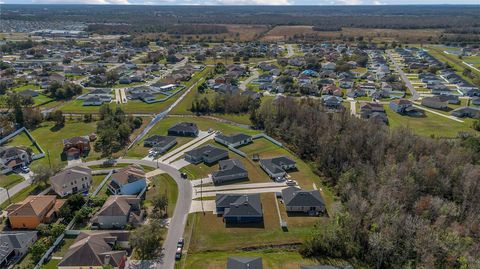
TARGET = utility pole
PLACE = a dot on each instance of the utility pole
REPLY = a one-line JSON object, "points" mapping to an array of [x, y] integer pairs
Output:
{"points": [[201, 195], [8, 195]]}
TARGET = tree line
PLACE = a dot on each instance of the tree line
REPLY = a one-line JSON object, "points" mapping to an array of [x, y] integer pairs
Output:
{"points": [[406, 201]]}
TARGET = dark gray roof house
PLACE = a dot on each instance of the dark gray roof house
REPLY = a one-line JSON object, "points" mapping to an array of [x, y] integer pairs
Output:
{"points": [[244, 263], [234, 140], [230, 170], [183, 129], [14, 245], [470, 112], [277, 167], [160, 143], [207, 154], [302, 201], [118, 211], [239, 208]]}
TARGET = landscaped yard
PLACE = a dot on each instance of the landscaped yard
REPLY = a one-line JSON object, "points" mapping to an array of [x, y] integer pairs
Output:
{"points": [[271, 258], [50, 138], [211, 234], [161, 128], [22, 140], [59, 253], [163, 184], [9, 180]]}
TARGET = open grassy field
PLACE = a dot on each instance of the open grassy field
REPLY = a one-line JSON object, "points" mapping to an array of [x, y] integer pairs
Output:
{"points": [[9, 180], [163, 184], [428, 125], [271, 258], [453, 60]]}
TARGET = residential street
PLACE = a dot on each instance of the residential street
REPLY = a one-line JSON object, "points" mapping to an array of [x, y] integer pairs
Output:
{"points": [[17, 188], [253, 76], [178, 220], [398, 68]]}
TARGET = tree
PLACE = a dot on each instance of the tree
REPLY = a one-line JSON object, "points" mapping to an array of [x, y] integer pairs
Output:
{"points": [[58, 117], [112, 76], [42, 173], [160, 205], [39, 248], [147, 240]]}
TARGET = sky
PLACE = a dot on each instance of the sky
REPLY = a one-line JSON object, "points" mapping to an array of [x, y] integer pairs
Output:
{"points": [[244, 2]]}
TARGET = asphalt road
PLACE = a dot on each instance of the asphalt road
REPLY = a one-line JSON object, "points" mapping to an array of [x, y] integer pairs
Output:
{"points": [[415, 94], [15, 189], [179, 218]]}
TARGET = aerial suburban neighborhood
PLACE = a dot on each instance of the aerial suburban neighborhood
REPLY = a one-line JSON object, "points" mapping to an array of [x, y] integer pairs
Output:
{"points": [[239, 137]]}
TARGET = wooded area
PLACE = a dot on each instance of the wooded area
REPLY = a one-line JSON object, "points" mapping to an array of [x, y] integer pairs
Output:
{"points": [[407, 201]]}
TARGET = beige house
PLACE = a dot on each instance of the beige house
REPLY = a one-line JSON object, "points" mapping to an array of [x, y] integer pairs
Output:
{"points": [[72, 180]]}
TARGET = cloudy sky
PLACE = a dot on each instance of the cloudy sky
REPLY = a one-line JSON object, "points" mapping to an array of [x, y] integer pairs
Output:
{"points": [[244, 2]]}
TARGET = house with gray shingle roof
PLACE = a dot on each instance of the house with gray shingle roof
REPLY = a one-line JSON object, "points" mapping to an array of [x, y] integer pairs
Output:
{"points": [[160, 143], [14, 245], [207, 154], [302, 201], [95, 249], [233, 140], [277, 167], [239, 208], [118, 211], [230, 170], [244, 263], [183, 129]]}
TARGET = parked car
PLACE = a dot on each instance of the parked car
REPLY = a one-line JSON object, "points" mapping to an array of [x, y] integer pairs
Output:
{"points": [[291, 182], [180, 243], [178, 254], [25, 169], [184, 175]]}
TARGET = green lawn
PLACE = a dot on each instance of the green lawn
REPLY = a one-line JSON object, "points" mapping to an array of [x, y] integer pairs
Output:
{"points": [[183, 108], [453, 60], [272, 259], [22, 140], [26, 87], [428, 125], [139, 151], [41, 99], [96, 180], [163, 184], [9, 180], [210, 233], [50, 138]]}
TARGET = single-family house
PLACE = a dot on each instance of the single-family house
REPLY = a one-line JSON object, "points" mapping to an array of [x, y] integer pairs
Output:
{"points": [[230, 170], [34, 210], [346, 83], [469, 112], [234, 140], [118, 211], [183, 129], [277, 167], [97, 249], [76, 146], [401, 106], [437, 102], [207, 154], [332, 102], [302, 201], [14, 245], [28, 93], [72, 180], [239, 208], [244, 263], [128, 181], [329, 66], [12, 158], [160, 143]]}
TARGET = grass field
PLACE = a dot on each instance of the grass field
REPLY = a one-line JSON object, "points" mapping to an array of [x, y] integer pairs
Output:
{"points": [[271, 258], [9, 180], [22, 140], [429, 125], [163, 184], [211, 234], [50, 138], [453, 60]]}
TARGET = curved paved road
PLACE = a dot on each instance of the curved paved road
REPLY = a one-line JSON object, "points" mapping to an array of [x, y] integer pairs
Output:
{"points": [[398, 68], [179, 218]]}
